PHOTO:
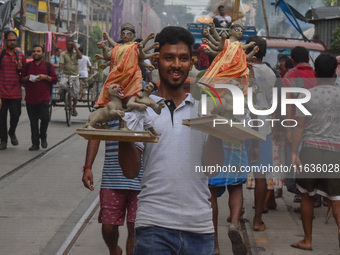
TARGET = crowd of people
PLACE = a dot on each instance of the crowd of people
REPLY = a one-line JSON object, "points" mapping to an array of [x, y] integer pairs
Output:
{"points": [[168, 207], [172, 204]]}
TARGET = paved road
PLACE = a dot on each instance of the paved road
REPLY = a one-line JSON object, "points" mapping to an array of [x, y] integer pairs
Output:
{"points": [[43, 204]]}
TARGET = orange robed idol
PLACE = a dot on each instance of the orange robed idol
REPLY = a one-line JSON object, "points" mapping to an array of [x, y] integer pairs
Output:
{"points": [[231, 63], [124, 71]]}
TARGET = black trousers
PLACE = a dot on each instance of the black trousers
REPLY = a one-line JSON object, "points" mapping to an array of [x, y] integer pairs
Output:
{"points": [[13, 106], [36, 113]]}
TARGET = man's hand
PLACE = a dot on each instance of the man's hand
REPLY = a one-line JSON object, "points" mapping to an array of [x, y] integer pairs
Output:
{"points": [[42, 77], [19, 64], [296, 162], [73, 45], [88, 179]]}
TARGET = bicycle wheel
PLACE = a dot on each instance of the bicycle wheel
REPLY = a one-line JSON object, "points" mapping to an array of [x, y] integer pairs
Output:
{"points": [[68, 108]]}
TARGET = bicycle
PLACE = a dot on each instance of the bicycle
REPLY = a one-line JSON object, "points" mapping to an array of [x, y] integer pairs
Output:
{"points": [[61, 92], [88, 94], [89, 90]]}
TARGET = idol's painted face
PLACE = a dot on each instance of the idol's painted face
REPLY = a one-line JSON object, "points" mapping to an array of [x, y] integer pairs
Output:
{"points": [[237, 32], [127, 36], [174, 64]]}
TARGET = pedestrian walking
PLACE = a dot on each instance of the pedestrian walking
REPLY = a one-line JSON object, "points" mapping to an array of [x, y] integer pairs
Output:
{"points": [[38, 76], [320, 137], [118, 195], [174, 214], [12, 62]]}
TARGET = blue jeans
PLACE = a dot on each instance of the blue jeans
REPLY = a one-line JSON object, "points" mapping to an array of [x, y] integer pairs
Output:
{"points": [[162, 241]]}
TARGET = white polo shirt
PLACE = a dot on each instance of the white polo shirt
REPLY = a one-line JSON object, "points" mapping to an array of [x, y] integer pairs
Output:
{"points": [[173, 196]]}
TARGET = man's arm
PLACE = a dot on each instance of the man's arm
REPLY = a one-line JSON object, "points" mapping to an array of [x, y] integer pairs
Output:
{"points": [[52, 79], [79, 55], [91, 153], [24, 77], [89, 64], [129, 159], [297, 138]]}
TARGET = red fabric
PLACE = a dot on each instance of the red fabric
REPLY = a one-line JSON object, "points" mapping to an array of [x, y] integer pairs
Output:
{"points": [[39, 91], [114, 203], [9, 76], [304, 71], [203, 59]]}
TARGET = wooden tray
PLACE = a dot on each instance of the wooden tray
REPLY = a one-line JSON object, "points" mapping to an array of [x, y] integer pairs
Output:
{"points": [[117, 135], [226, 132]]}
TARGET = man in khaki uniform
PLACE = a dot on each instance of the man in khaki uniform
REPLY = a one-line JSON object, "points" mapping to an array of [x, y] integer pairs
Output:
{"points": [[69, 66]]}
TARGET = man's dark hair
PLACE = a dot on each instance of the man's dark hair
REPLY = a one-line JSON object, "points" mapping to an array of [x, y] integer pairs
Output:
{"points": [[56, 49], [7, 33], [70, 40], [81, 49], [288, 63], [261, 43], [325, 66], [173, 35], [300, 54], [220, 6], [38, 45]]}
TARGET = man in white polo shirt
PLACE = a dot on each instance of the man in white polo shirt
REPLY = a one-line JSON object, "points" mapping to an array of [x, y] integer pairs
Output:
{"points": [[173, 214]]}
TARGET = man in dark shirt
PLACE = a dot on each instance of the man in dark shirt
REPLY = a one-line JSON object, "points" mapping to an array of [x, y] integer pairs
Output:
{"points": [[11, 64], [39, 77]]}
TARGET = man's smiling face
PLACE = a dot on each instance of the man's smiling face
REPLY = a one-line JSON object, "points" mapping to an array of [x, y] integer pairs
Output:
{"points": [[174, 64]]}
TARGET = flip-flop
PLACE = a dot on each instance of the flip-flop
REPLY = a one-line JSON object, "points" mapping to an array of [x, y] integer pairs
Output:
{"points": [[262, 227], [298, 246]]}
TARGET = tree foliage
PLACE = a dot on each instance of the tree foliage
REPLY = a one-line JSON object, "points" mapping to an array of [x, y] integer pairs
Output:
{"points": [[335, 45], [331, 2], [95, 37]]}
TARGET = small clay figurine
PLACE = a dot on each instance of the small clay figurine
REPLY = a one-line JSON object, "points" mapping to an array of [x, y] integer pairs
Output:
{"points": [[112, 110], [138, 118], [142, 100]]}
